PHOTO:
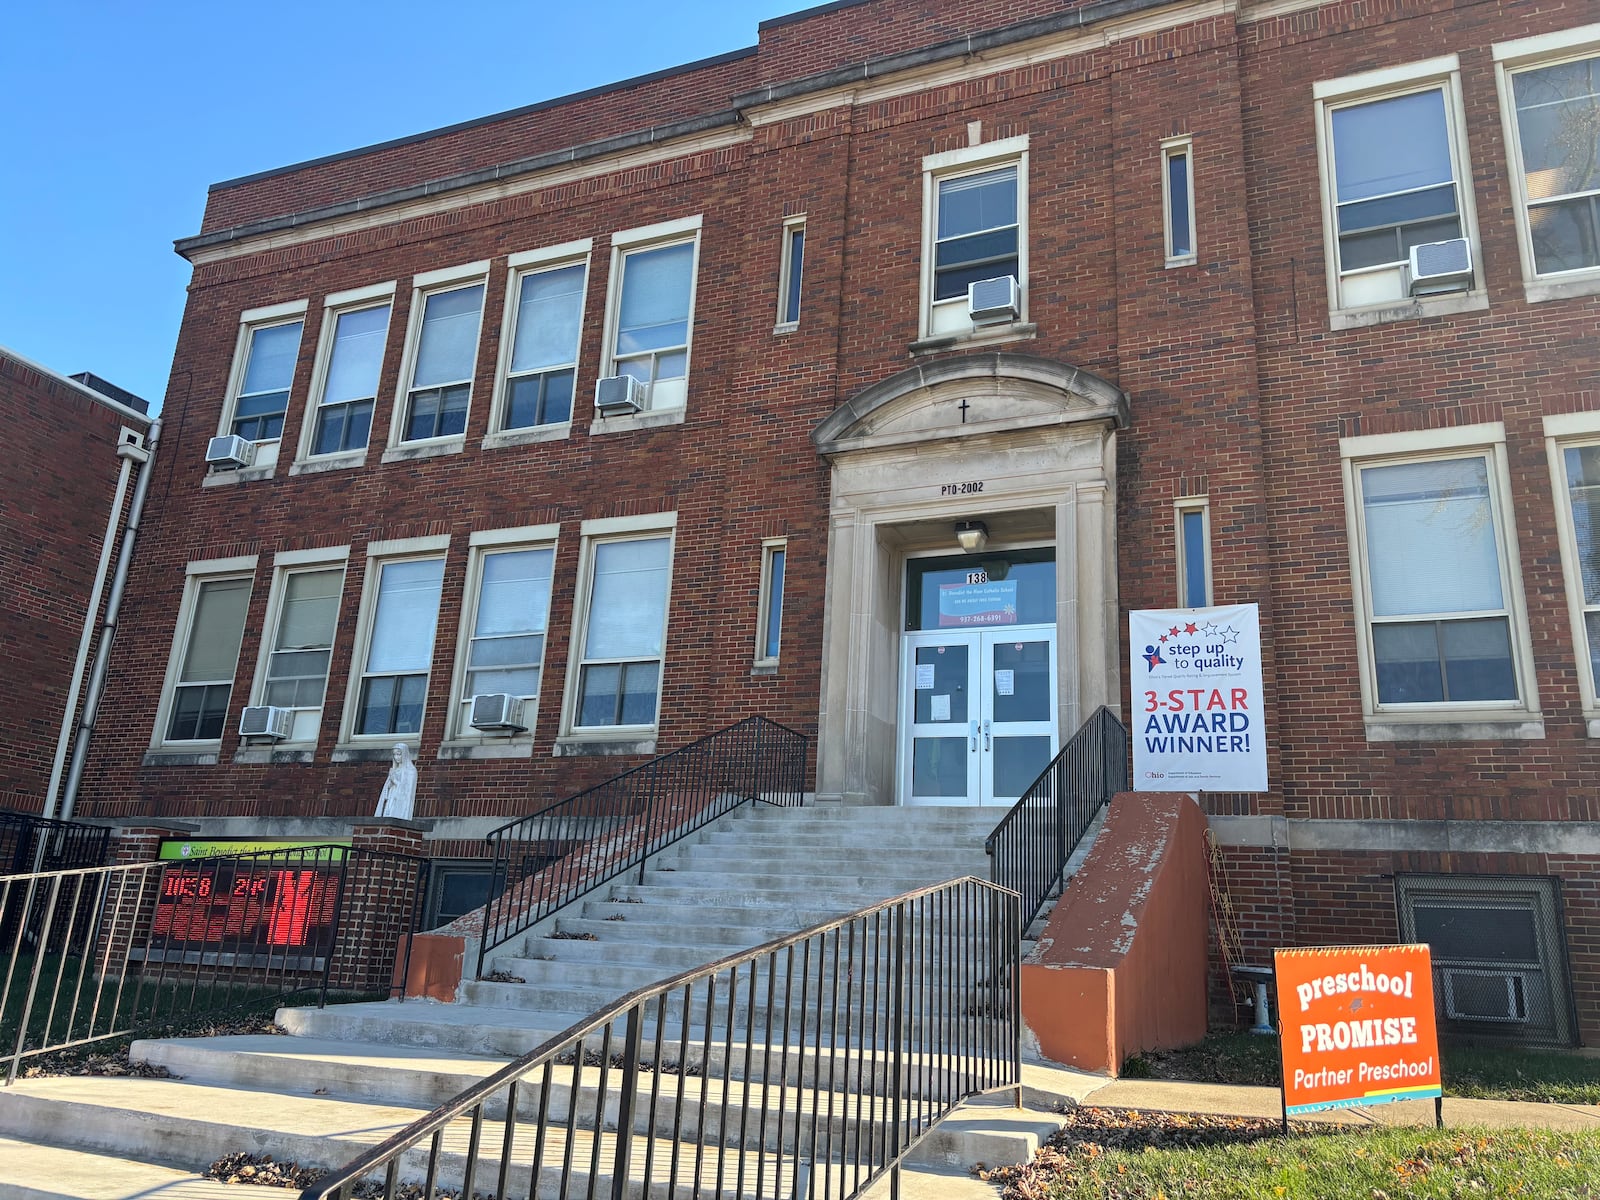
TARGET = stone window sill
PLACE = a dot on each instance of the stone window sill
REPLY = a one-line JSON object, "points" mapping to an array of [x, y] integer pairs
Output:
{"points": [[998, 335], [520, 747], [274, 755], [334, 462], [242, 475], [1442, 727], [182, 758], [644, 420], [350, 752], [528, 437], [588, 747], [1538, 291], [416, 451], [1409, 310]]}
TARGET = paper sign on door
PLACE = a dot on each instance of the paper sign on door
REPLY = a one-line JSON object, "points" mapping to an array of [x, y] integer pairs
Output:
{"points": [[924, 677], [941, 708], [1005, 683]]}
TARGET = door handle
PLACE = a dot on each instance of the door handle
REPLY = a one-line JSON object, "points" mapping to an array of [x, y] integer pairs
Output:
{"points": [[972, 732], [986, 742]]}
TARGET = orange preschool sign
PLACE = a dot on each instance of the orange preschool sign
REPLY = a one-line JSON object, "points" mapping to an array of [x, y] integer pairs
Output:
{"points": [[1356, 1026]]}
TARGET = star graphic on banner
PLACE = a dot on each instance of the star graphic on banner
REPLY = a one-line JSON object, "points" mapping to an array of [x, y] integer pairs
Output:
{"points": [[1191, 627], [1230, 634], [1174, 631], [1162, 638], [1209, 629]]}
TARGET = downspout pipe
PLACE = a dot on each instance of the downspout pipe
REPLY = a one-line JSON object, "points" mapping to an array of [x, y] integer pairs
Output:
{"points": [[108, 628], [129, 453]]}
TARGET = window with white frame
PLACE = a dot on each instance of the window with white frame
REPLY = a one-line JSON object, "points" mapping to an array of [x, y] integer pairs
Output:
{"points": [[269, 345], [1573, 442], [393, 680], [351, 358], [546, 322], [974, 228], [1432, 552], [652, 309], [206, 656], [442, 355], [1553, 117], [509, 603], [1394, 162], [303, 616], [1177, 200], [623, 638], [769, 622], [1194, 552], [791, 272]]}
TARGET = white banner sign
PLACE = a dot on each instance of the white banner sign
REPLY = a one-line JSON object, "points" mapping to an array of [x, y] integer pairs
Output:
{"points": [[1198, 720]]}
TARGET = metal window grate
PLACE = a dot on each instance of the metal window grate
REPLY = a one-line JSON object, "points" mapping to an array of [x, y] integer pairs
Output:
{"points": [[1499, 954]]}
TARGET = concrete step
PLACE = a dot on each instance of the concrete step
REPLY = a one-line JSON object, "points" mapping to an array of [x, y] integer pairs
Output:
{"points": [[638, 924], [36, 1171], [781, 1105]]}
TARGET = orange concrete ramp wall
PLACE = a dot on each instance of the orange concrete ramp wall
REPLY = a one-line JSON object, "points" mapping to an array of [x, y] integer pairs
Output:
{"points": [[1121, 964]]}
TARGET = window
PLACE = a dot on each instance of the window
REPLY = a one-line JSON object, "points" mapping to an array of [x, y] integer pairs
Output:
{"points": [[975, 227], [351, 357], [1177, 201], [790, 272], [206, 653], [546, 321], [264, 362], [1432, 548], [506, 635], [1392, 171], [623, 622], [1194, 553], [1573, 444], [1499, 951], [652, 308], [769, 624], [442, 354], [1550, 96], [394, 677], [303, 617]]}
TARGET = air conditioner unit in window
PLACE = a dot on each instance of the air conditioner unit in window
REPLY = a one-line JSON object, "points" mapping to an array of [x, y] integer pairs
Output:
{"points": [[1498, 996], [618, 394], [266, 721], [496, 712], [994, 301], [229, 451], [1441, 267]]}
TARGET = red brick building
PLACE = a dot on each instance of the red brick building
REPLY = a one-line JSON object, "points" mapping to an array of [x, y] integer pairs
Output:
{"points": [[78, 449], [1217, 373]]}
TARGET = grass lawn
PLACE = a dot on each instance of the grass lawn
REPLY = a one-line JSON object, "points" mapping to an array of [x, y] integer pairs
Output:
{"points": [[1481, 1072], [1110, 1155]]}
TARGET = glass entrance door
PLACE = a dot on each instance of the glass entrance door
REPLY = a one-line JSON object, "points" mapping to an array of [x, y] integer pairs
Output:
{"points": [[977, 714]]}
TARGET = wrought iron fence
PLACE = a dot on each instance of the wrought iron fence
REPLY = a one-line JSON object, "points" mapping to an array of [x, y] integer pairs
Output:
{"points": [[808, 1067], [33, 843], [545, 861], [1029, 849], [100, 952]]}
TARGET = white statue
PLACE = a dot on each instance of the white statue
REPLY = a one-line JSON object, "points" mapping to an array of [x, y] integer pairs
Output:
{"points": [[399, 795]]}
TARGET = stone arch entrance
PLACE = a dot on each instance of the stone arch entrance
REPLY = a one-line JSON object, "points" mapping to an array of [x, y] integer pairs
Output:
{"points": [[1025, 445]]}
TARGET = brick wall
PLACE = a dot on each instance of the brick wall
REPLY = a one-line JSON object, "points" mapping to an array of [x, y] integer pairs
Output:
{"points": [[1239, 390], [60, 480]]}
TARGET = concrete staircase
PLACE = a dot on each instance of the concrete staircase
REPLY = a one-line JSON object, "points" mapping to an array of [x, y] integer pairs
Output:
{"points": [[350, 1076]]}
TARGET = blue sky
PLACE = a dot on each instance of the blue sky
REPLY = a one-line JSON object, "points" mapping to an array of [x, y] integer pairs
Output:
{"points": [[118, 117]]}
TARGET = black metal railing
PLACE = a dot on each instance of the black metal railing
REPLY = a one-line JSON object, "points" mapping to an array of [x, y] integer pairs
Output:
{"points": [[33, 843], [808, 1067], [545, 861], [100, 952], [1029, 849]]}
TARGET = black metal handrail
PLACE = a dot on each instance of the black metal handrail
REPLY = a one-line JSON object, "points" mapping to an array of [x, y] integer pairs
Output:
{"points": [[559, 854], [1029, 849], [808, 1067], [29, 842], [101, 952]]}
